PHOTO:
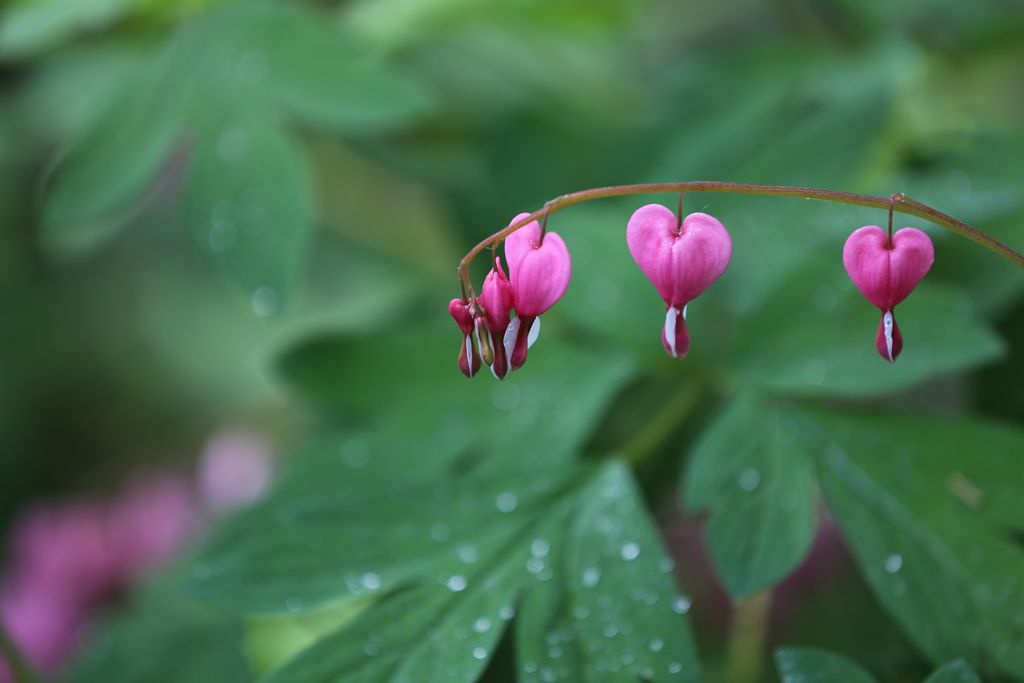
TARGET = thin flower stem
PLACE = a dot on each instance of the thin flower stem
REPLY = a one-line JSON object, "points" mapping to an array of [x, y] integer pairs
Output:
{"points": [[748, 637], [652, 435], [897, 202]]}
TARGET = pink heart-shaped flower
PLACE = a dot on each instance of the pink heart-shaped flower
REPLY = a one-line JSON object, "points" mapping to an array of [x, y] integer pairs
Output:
{"points": [[539, 268], [886, 272], [681, 261]]}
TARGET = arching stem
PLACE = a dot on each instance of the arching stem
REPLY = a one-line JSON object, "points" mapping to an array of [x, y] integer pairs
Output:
{"points": [[897, 202]]}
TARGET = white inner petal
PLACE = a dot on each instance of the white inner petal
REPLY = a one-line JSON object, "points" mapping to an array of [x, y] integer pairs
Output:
{"points": [[887, 324], [534, 333], [670, 329], [469, 353], [684, 311], [511, 332]]}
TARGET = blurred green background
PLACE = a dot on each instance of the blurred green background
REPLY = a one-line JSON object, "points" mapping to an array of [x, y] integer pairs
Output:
{"points": [[250, 213]]}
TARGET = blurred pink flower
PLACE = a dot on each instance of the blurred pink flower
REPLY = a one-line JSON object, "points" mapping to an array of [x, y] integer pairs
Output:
{"points": [[42, 623], [66, 547], [68, 559], [150, 521], [235, 469]]}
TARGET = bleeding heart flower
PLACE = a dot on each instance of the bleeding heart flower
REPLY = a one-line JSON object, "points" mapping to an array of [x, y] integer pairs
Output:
{"points": [[469, 358], [886, 273], [497, 299], [539, 271], [681, 259]]}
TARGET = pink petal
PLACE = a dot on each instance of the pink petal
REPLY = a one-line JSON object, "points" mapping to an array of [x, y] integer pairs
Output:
{"points": [[886, 274], [680, 261], [539, 270]]}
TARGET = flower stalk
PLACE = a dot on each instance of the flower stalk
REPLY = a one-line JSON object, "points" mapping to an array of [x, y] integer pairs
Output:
{"points": [[897, 202]]}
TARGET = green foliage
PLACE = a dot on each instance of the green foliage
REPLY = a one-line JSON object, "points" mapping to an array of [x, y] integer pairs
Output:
{"points": [[452, 563], [956, 671], [750, 469], [817, 666], [334, 162], [212, 104], [809, 665], [947, 572], [163, 640], [815, 335]]}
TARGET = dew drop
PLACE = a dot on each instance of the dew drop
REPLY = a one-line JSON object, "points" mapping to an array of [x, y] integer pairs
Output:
{"points": [[749, 479], [506, 501], [675, 667], [540, 547], [468, 554], [681, 605], [371, 581], [893, 563], [456, 583], [482, 625], [479, 653], [265, 301], [630, 551], [656, 645], [591, 577], [506, 612]]}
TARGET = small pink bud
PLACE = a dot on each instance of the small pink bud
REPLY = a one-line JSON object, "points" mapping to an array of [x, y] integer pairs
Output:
{"points": [[497, 299], [886, 273], [469, 359], [539, 271], [680, 259]]}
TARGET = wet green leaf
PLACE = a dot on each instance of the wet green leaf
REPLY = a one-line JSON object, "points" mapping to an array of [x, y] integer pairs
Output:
{"points": [[147, 644], [809, 665], [755, 477], [409, 384], [815, 335], [956, 671], [451, 560], [248, 204], [950, 576]]}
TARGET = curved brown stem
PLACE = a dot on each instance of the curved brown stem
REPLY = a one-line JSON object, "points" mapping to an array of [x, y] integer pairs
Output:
{"points": [[897, 202]]}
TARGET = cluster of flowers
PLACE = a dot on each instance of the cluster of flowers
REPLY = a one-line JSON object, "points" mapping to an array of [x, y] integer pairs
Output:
{"points": [[681, 257], [66, 560]]}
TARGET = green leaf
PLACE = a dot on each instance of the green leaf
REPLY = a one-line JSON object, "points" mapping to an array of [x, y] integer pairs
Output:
{"points": [[164, 639], [247, 201], [222, 90], [810, 665], [941, 565], [754, 476], [815, 335], [271, 640], [28, 27], [450, 560], [111, 173], [555, 399], [957, 671], [295, 60], [621, 588]]}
